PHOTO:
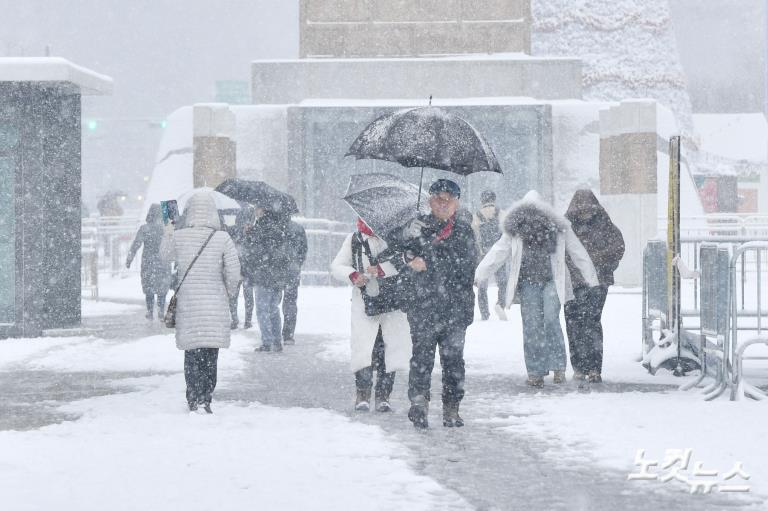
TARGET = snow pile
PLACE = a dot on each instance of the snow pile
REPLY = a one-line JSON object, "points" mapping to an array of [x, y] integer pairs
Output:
{"points": [[243, 457], [628, 48]]}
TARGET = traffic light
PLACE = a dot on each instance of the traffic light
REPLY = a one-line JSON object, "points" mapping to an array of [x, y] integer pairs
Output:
{"points": [[92, 125]]}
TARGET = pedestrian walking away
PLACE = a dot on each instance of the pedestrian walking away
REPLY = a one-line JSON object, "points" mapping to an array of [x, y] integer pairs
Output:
{"points": [[534, 245], [381, 338], [485, 223], [268, 268], [438, 252], [297, 253], [605, 246], [155, 270], [208, 263]]}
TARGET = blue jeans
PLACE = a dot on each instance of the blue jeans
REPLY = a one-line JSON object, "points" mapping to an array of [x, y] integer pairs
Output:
{"points": [[268, 314], [543, 341]]}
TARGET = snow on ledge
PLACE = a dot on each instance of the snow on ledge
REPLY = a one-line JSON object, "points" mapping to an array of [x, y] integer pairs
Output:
{"points": [[54, 69]]}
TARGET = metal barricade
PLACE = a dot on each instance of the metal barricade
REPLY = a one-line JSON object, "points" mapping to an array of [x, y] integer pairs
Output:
{"points": [[655, 298], [744, 318], [324, 238], [713, 319]]}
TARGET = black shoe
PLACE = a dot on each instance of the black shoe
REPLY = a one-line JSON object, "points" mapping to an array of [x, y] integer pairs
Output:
{"points": [[363, 400], [418, 412], [264, 347], [207, 408], [192, 406], [289, 342]]}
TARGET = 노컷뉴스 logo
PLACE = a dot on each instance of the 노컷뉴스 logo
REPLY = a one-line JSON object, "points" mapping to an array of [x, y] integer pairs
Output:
{"points": [[676, 466]]}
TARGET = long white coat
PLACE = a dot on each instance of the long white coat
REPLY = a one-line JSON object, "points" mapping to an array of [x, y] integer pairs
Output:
{"points": [[509, 250], [202, 309], [394, 325]]}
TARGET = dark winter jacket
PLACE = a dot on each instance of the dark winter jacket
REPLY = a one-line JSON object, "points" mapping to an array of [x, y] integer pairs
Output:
{"points": [[443, 295], [155, 271], [297, 248], [599, 235], [266, 252]]}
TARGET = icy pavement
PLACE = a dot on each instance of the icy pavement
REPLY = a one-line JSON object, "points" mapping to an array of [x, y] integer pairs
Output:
{"points": [[100, 423]]}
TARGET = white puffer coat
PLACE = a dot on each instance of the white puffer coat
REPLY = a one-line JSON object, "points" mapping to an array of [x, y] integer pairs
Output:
{"points": [[394, 325], [202, 313]]}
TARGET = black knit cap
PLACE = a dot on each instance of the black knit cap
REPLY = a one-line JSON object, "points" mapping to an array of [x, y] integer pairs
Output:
{"points": [[445, 185]]}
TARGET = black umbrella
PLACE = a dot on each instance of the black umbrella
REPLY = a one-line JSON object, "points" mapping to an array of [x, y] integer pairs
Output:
{"points": [[383, 201], [426, 137], [260, 194]]}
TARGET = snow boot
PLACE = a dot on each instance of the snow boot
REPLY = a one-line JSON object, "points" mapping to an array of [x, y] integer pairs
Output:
{"points": [[595, 377], [192, 406], [264, 347], [535, 381], [289, 342], [382, 402], [559, 377], [207, 408], [451, 417], [362, 400], [418, 412]]}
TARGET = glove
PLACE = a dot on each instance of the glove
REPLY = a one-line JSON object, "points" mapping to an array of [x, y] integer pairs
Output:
{"points": [[413, 229]]}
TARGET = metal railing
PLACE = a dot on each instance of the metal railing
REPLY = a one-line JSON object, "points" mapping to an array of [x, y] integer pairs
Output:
{"points": [[107, 240], [720, 224]]}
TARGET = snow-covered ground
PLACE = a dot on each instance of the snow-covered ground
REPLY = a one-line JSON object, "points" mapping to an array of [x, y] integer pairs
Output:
{"points": [[249, 454]]}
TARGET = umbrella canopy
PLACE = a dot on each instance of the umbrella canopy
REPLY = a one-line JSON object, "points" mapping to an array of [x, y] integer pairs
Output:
{"points": [[260, 194], [383, 201], [426, 137], [222, 201]]}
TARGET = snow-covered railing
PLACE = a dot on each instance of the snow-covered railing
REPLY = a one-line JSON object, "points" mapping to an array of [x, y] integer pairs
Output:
{"points": [[720, 224]]}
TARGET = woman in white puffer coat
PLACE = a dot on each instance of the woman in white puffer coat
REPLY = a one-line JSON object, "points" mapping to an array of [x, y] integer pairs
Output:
{"points": [[381, 342], [202, 314]]}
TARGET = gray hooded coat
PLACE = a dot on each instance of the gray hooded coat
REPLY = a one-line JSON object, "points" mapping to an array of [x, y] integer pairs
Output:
{"points": [[202, 314]]}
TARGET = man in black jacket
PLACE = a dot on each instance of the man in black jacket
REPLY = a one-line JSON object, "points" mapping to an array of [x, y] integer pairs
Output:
{"points": [[296, 244], [267, 266], [438, 254]]}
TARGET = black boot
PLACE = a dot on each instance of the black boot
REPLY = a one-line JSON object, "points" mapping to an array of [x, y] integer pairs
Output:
{"points": [[451, 417], [382, 402], [363, 400], [419, 412]]}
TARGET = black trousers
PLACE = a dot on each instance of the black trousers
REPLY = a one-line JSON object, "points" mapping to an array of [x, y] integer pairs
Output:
{"points": [[384, 380], [200, 373], [150, 299], [585, 332], [290, 308], [482, 292], [427, 336]]}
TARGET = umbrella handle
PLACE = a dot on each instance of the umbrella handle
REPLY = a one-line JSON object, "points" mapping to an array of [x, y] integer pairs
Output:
{"points": [[421, 180]]}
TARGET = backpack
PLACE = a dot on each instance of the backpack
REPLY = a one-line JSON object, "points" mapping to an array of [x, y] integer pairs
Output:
{"points": [[489, 230], [392, 292]]}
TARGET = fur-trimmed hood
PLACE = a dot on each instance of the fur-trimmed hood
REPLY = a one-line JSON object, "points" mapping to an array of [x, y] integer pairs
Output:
{"points": [[531, 205]]}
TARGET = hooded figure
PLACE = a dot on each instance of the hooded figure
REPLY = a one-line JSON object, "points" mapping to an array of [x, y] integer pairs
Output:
{"points": [[155, 271], [381, 342], [243, 221], [534, 246], [485, 223], [605, 246], [202, 314]]}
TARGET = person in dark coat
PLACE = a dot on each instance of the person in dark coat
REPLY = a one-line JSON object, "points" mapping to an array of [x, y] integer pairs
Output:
{"points": [[243, 220], [268, 268], [487, 232], [296, 244], [605, 246], [155, 271], [438, 254]]}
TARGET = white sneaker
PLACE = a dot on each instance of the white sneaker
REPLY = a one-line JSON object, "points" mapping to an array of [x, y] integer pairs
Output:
{"points": [[500, 312]]}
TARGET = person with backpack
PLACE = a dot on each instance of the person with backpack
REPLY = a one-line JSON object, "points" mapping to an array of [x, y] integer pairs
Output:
{"points": [[209, 273], [485, 223], [380, 337]]}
